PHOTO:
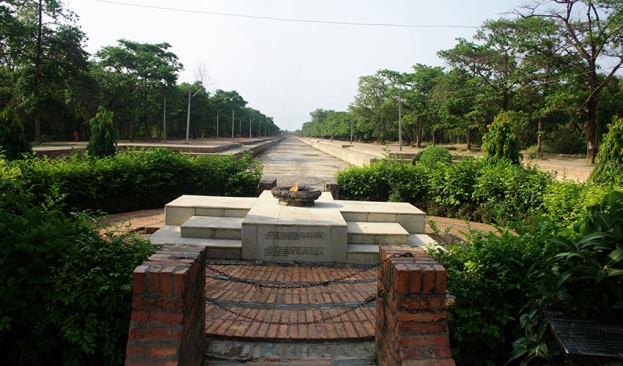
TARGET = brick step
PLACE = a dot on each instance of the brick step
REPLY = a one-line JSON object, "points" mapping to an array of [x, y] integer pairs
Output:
{"points": [[376, 233], [210, 227]]}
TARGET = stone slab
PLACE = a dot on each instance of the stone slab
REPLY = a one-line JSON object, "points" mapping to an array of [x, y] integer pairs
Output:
{"points": [[212, 227], [275, 232], [408, 216], [386, 233]]}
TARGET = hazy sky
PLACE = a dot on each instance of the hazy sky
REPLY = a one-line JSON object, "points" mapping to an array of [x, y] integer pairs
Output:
{"points": [[287, 69]]}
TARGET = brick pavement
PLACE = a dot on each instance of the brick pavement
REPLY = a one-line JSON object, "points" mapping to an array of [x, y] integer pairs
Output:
{"points": [[265, 312]]}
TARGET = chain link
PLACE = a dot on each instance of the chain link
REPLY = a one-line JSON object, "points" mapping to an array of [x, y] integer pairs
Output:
{"points": [[261, 286], [368, 300]]}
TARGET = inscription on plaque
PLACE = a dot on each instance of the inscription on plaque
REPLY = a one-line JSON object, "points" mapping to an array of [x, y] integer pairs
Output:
{"points": [[292, 235], [589, 339], [285, 252]]}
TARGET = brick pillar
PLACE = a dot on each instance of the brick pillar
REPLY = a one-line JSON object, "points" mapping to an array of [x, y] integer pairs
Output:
{"points": [[168, 308], [411, 327]]}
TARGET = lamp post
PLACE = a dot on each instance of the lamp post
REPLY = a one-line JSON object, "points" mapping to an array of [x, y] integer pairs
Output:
{"points": [[232, 124], [188, 113], [399, 122], [164, 122], [250, 121]]}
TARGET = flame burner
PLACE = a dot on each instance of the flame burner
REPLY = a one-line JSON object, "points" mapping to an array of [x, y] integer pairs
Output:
{"points": [[301, 198]]}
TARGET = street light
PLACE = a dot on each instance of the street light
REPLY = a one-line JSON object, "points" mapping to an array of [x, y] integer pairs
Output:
{"points": [[250, 120], [188, 113], [399, 122]]}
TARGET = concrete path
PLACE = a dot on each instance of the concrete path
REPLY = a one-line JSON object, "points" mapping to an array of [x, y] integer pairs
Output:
{"points": [[291, 161]]}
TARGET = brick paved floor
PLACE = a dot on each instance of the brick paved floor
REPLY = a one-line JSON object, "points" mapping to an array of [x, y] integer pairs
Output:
{"points": [[263, 312]]}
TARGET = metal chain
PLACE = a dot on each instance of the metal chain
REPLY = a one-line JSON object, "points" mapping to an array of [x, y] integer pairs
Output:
{"points": [[260, 286], [369, 299]]}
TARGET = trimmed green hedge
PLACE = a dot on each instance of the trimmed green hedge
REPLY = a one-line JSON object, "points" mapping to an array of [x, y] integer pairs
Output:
{"points": [[134, 180]]}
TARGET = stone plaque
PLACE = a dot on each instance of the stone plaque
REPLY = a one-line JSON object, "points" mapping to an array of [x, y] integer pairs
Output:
{"points": [[595, 339]]}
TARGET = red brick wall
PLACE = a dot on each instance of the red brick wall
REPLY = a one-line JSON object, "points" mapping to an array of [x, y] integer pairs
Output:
{"points": [[168, 308], [411, 327]]}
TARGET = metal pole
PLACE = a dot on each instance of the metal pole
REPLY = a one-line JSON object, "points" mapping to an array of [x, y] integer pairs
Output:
{"points": [[240, 127], [217, 125], [351, 130], [188, 116], [232, 124], [164, 122], [250, 131], [399, 123]]}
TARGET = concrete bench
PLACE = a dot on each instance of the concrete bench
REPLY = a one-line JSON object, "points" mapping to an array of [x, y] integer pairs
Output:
{"points": [[345, 146]]}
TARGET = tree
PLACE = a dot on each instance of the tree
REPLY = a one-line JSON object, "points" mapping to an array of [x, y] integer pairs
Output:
{"points": [[500, 142], [372, 111], [103, 135], [45, 54], [146, 70], [609, 168], [13, 143], [590, 30]]}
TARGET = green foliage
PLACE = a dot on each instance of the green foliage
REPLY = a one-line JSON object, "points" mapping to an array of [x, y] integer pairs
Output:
{"points": [[134, 180], [609, 168], [13, 143], [490, 276], [500, 142], [65, 292], [583, 277], [104, 135], [433, 155], [472, 190], [516, 192], [566, 201]]}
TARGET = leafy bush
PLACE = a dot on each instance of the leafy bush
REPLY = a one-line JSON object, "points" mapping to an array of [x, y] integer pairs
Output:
{"points": [[609, 168], [490, 277], [452, 186], [13, 143], [500, 142], [514, 191], [433, 155], [584, 277], [104, 135], [65, 292], [133, 180]]}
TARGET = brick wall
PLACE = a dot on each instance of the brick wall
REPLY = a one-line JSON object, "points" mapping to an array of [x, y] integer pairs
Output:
{"points": [[411, 327], [168, 308]]}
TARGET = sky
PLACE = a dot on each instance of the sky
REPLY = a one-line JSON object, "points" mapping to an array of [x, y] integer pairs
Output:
{"points": [[290, 67]]}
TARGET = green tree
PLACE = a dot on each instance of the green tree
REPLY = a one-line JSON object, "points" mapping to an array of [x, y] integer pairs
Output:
{"points": [[13, 143], [103, 135], [609, 168], [590, 30], [146, 71], [500, 142]]}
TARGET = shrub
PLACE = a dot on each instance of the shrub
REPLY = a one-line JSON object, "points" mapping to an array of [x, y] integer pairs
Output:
{"points": [[104, 135], [609, 168], [134, 180], [66, 291], [513, 191], [433, 155], [490, 277], [500, 142], [13, 143], [583, 277]]}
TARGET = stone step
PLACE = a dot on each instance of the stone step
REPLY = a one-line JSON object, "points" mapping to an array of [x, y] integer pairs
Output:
{"points": [[187, 206], [227, 352], [376, 233], [409, 217], [210, 227], [362, 254]]}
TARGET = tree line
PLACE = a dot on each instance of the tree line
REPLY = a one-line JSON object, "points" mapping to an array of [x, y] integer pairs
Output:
{"points": [[54, 86], [551, 65]]}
